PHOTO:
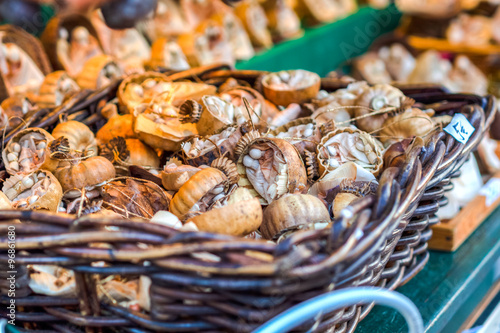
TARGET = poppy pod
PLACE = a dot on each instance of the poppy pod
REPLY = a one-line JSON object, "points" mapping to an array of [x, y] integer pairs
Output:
{"points": [[38, 190], [199, 192], [239, 215], [55, 88], [287, 87], [28, 151], [292, 210], [98, 72], [269, 168], [85, 173], [79, 136], [349, 145]]}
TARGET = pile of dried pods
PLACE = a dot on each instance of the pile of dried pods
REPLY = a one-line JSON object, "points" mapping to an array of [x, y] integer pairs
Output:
{"points": [[218, 158]]}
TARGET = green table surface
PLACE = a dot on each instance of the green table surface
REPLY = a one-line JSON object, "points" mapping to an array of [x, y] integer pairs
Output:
{"points": [[449, 287]]}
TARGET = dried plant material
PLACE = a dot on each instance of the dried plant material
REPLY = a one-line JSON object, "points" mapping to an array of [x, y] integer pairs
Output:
{"points": [[132, 197], [398, 61], [346, 192], [5, 203], [291, 112], [128, 46], [325, 11], [199, 192], [239, 215], [117, 126], [349, 145], [79, 136], [333, 179], [372, 69], [79, 173], [39, 190], [208, 44], [218, 114], [238, 38], [124, 153], [290, 211], [467, 78], [168, 54], [332, 112], [227, 166], [254, 19], [175, 175], [372, 101], [411, 123], [163, 129], [142, 88], [52, 280], [271, 167], [168, 21], [295, 86], [56, 87], [283, 22], [430, 67], [395, 154], [302, 133], [166, 218], [472, 30], [249, 101], [13, 110], [429, 8], [98, 72], [190, 111], [27, 151]]}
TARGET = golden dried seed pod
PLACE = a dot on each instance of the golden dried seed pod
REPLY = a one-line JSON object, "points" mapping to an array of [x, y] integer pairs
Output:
{"points": [[227, 166], [292, 210]]}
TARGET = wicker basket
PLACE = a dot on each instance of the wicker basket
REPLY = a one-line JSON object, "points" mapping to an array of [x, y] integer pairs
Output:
{"points": [[251, 281]]}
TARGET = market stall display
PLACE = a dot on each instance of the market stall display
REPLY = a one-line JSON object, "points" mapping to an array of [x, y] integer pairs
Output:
{"points": [[152, 186]]}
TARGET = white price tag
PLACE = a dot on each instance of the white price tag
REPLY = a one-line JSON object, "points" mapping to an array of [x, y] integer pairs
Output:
{"points": [[491, 191], [460, 128]]}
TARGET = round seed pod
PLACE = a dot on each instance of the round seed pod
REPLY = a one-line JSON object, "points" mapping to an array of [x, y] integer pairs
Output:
{"points": [[292, 210], [168, 54], [295, 130], [176, 174], [195, 189], [38, 190], [408, 124], [79, 136], [269, 168], [349, 145], [376, 98], [287, 87], [79, 174], [241, 216], [28, 151]]}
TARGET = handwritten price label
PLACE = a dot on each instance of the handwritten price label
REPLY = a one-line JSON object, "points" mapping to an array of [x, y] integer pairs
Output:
{"points": [[460, 128]]}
